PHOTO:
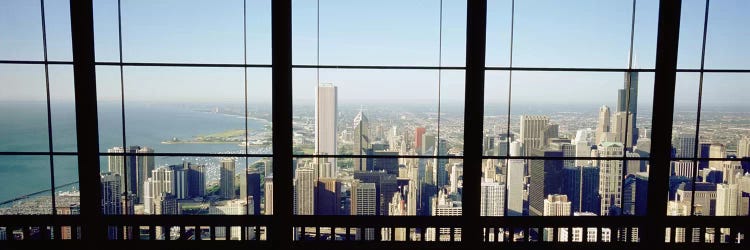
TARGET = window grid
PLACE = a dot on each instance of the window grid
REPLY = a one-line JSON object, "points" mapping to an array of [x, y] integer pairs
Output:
{"points": [[121, 64]]}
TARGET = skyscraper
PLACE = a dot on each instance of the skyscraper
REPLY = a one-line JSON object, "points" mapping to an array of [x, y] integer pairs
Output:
{"points": [[305, 180], [418, 132], [557, 205], [327, 197], [515, 181], [610, 177], [635, 192], [111, 191], [226, 178], [686, 146], [250, 189], [533, 128], [719, 151], [627, 101], [743, 147], [179, 182], [144, 166], [726, 199], [268, 209], [545, 178], [493, 199], [361, 141], [581, 185], [133, 170], [603, 126], [623, 128], [440, 174], [325, 125], [196, 175]]}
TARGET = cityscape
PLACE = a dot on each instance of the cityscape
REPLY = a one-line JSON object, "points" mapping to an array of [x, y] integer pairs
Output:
{"points": [[369, 161]]}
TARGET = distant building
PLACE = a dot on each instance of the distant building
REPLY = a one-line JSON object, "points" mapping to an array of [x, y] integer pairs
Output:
{"points": [[305, 180], [326, 113], [533, 128], [493, 199], [250, 189], [610, 178], [327, 197], [226, 178], [545, 178]]}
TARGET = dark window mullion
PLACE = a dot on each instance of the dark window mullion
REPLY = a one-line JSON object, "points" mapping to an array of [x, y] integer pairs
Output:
{"points": [[662, 117], [696, 145]]}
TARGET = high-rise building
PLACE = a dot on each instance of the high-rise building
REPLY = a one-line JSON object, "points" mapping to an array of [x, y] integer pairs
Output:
{"points": [[196, 175], [231, 207], [361, 141], [569, 150], [440, 174], [627, 101], [428, 144], [743, 147], [364, 202], [268, 209], [704, 152], [443, 205], [111, 191], [610, 177], [326, 111], [226, 178], [180, 190], [635, 193], [717, 150], [556, 205], [387, 164], [727, 196], [514, 181], [328, 197], [250, 189], [533, 128], [545, 178], [456, 177], [385, 184], [683, 168], [686, 146], [305, 180], [493, 199], [418, 133], [705, 198], [581, 185], [623, 128], [603, 125]]}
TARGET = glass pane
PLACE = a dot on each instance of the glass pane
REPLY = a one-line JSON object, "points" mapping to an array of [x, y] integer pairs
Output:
{"points": [[389, 119], [691, 34], [572, 34], [109, 107], [67, 191], [496, 138], [28, 185], [727, 36], [21, 26], [203, 111], [409, 36], [59, 41], [212, 33], [560, 106], [62, 104], [685, 116], [724, 116], [23, 108], [498, 33]]}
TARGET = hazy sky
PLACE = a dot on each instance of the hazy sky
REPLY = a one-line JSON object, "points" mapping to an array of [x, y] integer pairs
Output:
{"points": [[551, 33]]}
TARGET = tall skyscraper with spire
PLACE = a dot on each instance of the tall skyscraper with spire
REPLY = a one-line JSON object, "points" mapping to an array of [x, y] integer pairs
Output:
{"points": [[361, 141], [325, 127], [627, 101]]}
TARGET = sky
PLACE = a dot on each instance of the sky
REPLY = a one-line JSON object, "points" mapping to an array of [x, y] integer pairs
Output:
{"points": [[550, 33]]}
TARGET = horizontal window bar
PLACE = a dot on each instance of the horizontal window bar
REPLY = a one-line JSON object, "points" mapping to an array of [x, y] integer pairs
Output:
{"points": [[565, 158], [185, 154], [35, 62], [571, 69], [715, 70], [38, 153], [212, 65], [189, 220], [308, 66], [383, 156], [709, 159]]}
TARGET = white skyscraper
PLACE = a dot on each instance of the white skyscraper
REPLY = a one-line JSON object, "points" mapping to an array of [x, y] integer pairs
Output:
{"points": [[610, 177], [726, 199], [533, 128], [493, 199], [603, 125], [743, 147], [305, 181], [515, 181], [556, 205], [325, 125], [361, 141]]}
